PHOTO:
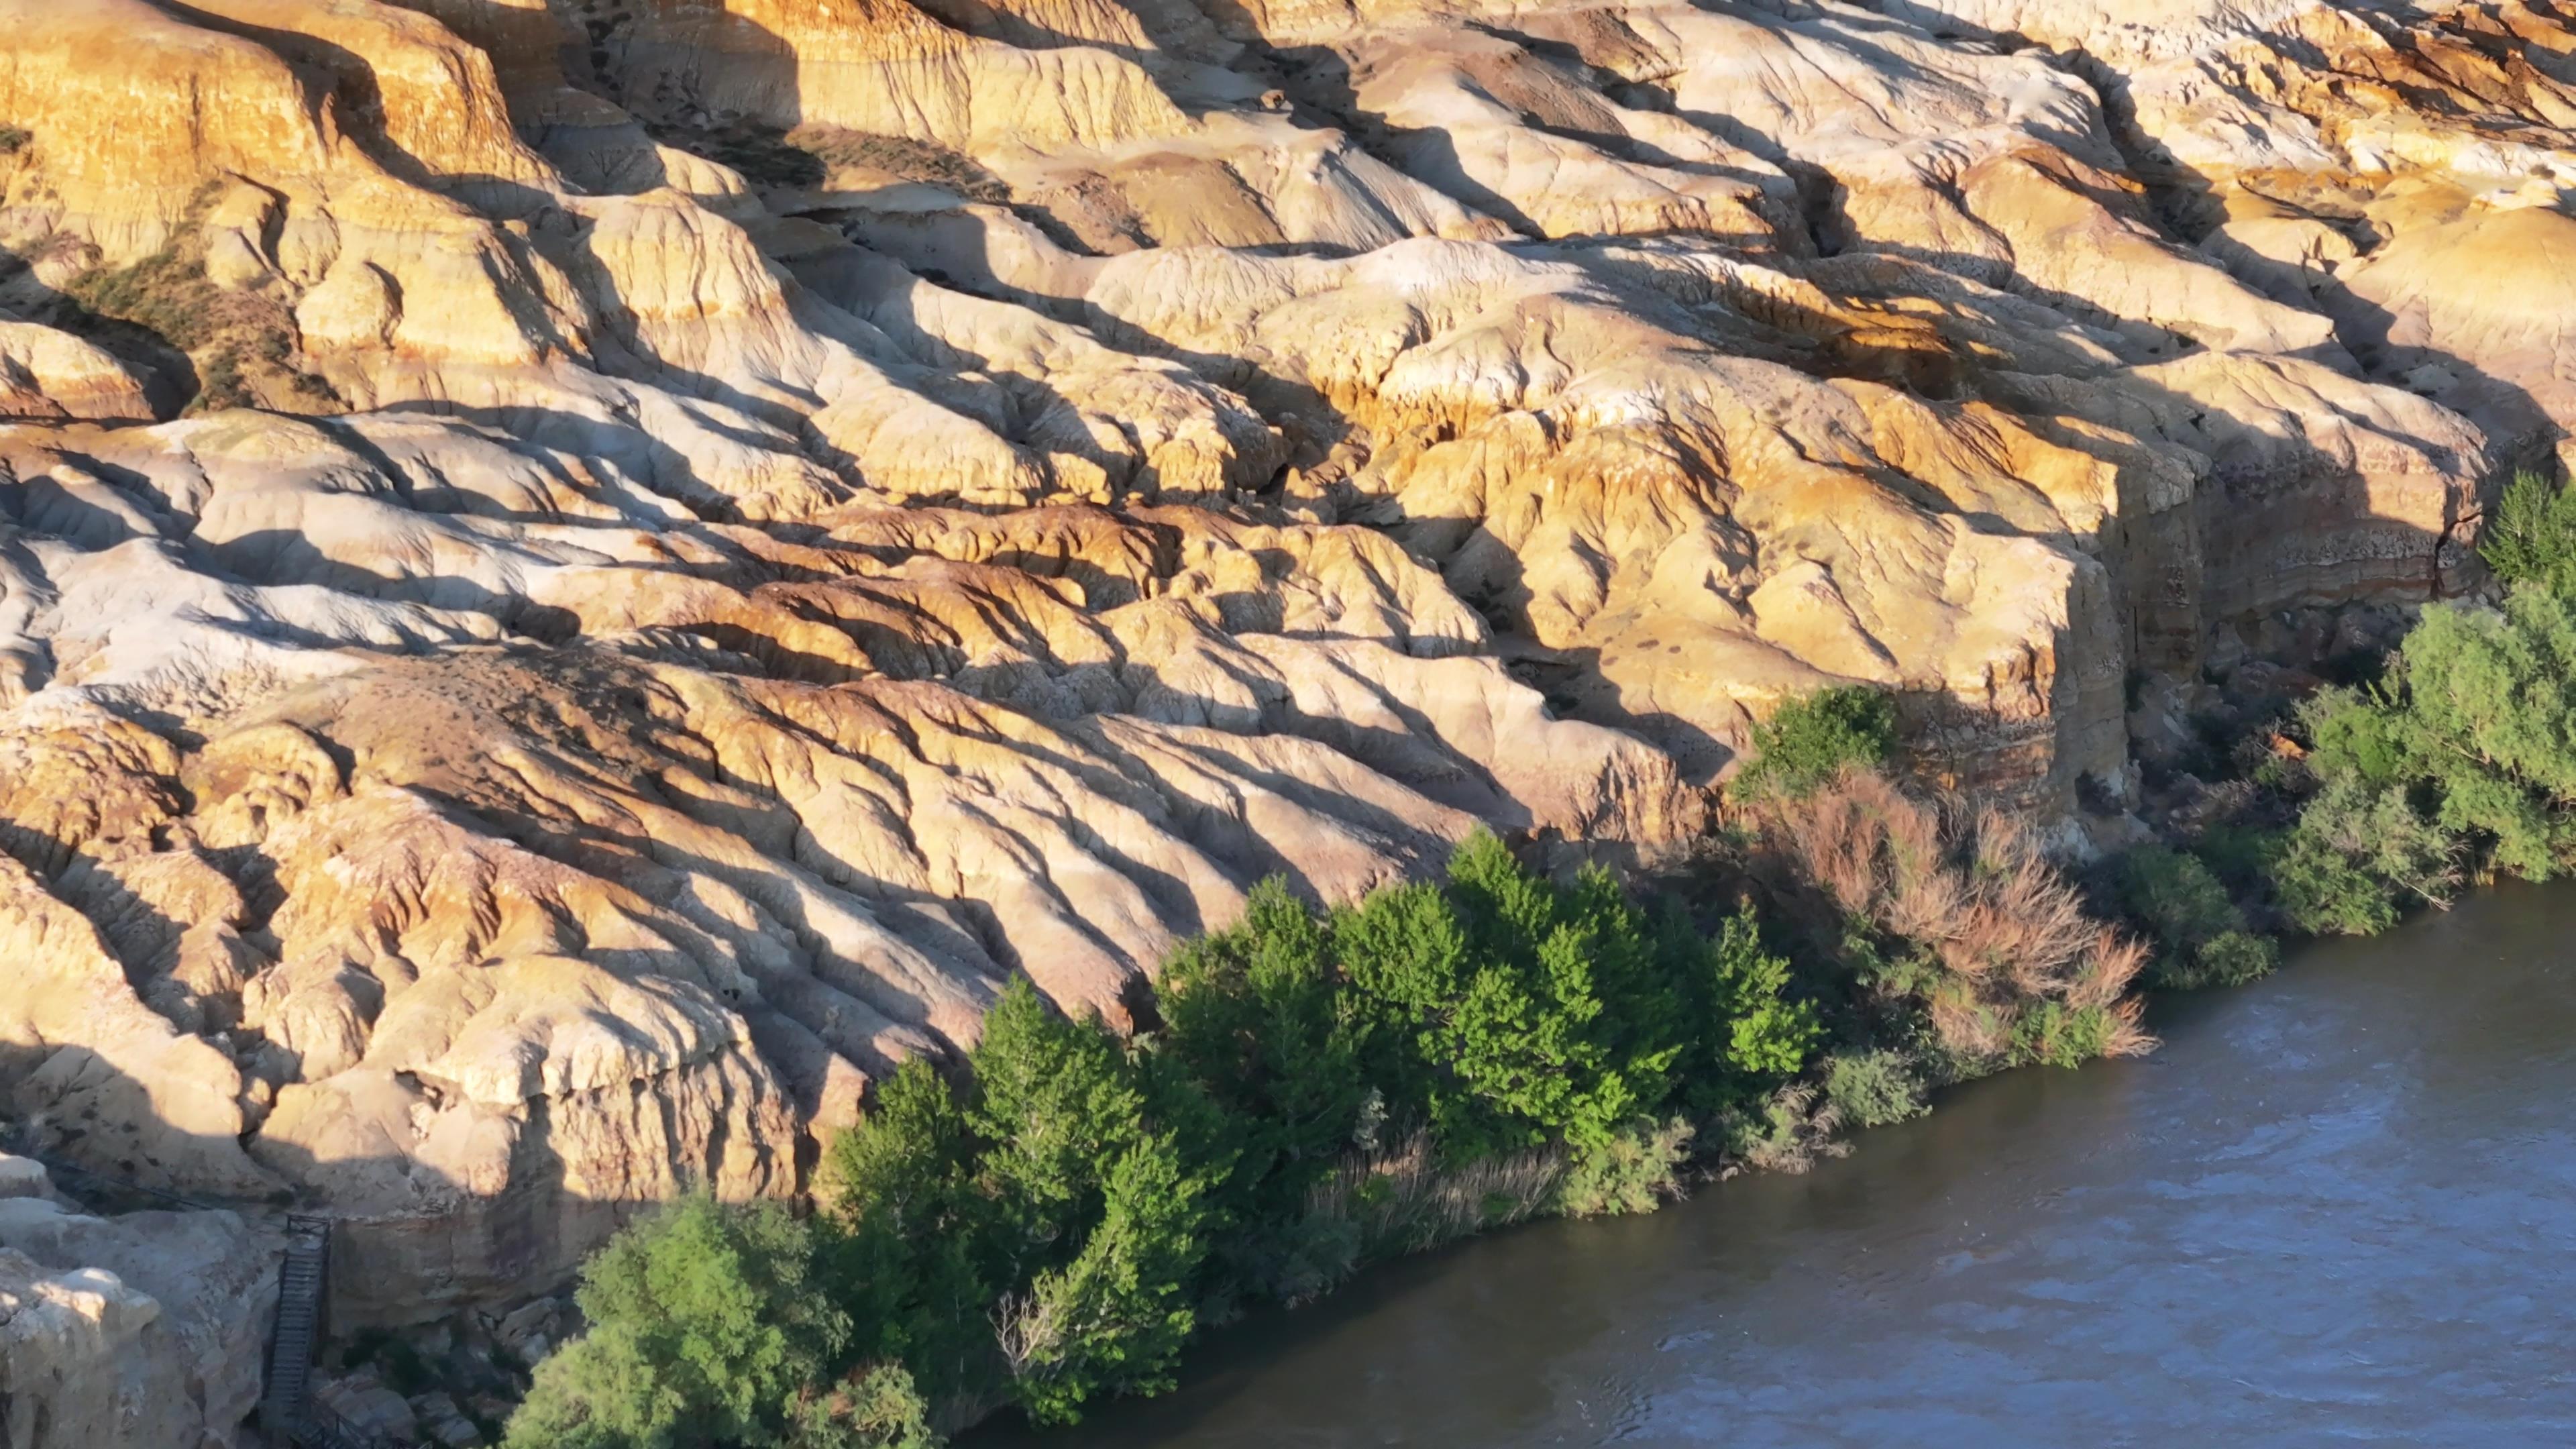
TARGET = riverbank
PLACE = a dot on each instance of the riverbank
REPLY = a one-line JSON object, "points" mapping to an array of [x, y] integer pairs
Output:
{"points": [[2334, 1203], [1311, 1092], [1308, 1092]]}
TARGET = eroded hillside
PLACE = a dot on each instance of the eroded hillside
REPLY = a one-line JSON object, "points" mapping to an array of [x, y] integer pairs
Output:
{"points": [[580, 576]]}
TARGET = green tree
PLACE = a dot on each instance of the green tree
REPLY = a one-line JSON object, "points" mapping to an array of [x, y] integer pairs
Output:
{"points": [[705, 1329], [1055, 1101], [2355, 851], [1252, 1018], [2532, 537], [1099, 1213], [1809, 741], [2490, 719], [911, 1255], [1562, 1026], [1403, 954], [1754, 1037], [2467, 749], [1115, 1318]]}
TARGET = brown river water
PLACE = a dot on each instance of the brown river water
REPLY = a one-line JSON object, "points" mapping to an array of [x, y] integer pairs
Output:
{"points": [[2338, 1207]]}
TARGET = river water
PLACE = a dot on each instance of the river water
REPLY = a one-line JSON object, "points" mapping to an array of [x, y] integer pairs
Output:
{"points": [[2338, 1207]]}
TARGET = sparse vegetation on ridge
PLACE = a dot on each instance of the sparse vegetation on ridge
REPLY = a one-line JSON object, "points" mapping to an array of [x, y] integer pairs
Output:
{"points": [[239, 345]]}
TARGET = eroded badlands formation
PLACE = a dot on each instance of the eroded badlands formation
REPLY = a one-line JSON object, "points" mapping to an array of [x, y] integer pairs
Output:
{"points": [[579, 576]]}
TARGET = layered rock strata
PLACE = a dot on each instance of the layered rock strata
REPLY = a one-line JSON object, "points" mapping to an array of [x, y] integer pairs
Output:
{"points": [[578, 577]]}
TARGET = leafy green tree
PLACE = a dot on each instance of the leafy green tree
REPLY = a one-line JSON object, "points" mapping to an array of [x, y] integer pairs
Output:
{"points": [[705, 1329], [1403, 954], [1098, 1211], [2354, 852], [1252, 1018], [912, 1253], [2532, 537], [1115, 1318], [1755, 1037], [2469, 748], [1809, 741], [1532, 1040], [2490, 718], [1054, 1102]]}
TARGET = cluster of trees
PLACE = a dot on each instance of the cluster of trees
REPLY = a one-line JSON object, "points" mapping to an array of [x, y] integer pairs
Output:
{"points": [[1051, 1224], [2457, 762], [2460, 762], [713, 1325]]}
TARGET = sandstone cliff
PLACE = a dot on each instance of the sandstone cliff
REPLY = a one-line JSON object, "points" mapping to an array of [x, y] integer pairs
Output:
{"points": [[577, 577]]}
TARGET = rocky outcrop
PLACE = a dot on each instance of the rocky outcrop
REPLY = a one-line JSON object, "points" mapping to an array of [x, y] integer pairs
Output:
{"points": [[142, 1331], [576, 581]]}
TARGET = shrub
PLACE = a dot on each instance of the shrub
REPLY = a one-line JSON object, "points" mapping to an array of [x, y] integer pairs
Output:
{"points": [[2202, 934], [1633, 1172], [1404, 1199], [2532, 537], [2240, 855], [2056, 1034], [1960, 918], [241, 345], [903, 156], [1789, 1131], [2325, 870], [1874, 1088], [1809, 741], [873, 1407], [2232, 958], [2487, 718], [2175, 896]]}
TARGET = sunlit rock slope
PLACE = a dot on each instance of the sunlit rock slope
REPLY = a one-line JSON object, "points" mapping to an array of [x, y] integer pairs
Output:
{"points": [[577, 577]]}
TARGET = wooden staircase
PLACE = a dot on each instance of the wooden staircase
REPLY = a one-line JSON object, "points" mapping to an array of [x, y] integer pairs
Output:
{"points": [[287, 1413], [299, 1324]]}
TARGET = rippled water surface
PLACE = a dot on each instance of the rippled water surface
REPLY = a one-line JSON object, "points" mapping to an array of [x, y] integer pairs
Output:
{"points": [[2338, 1207]]}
